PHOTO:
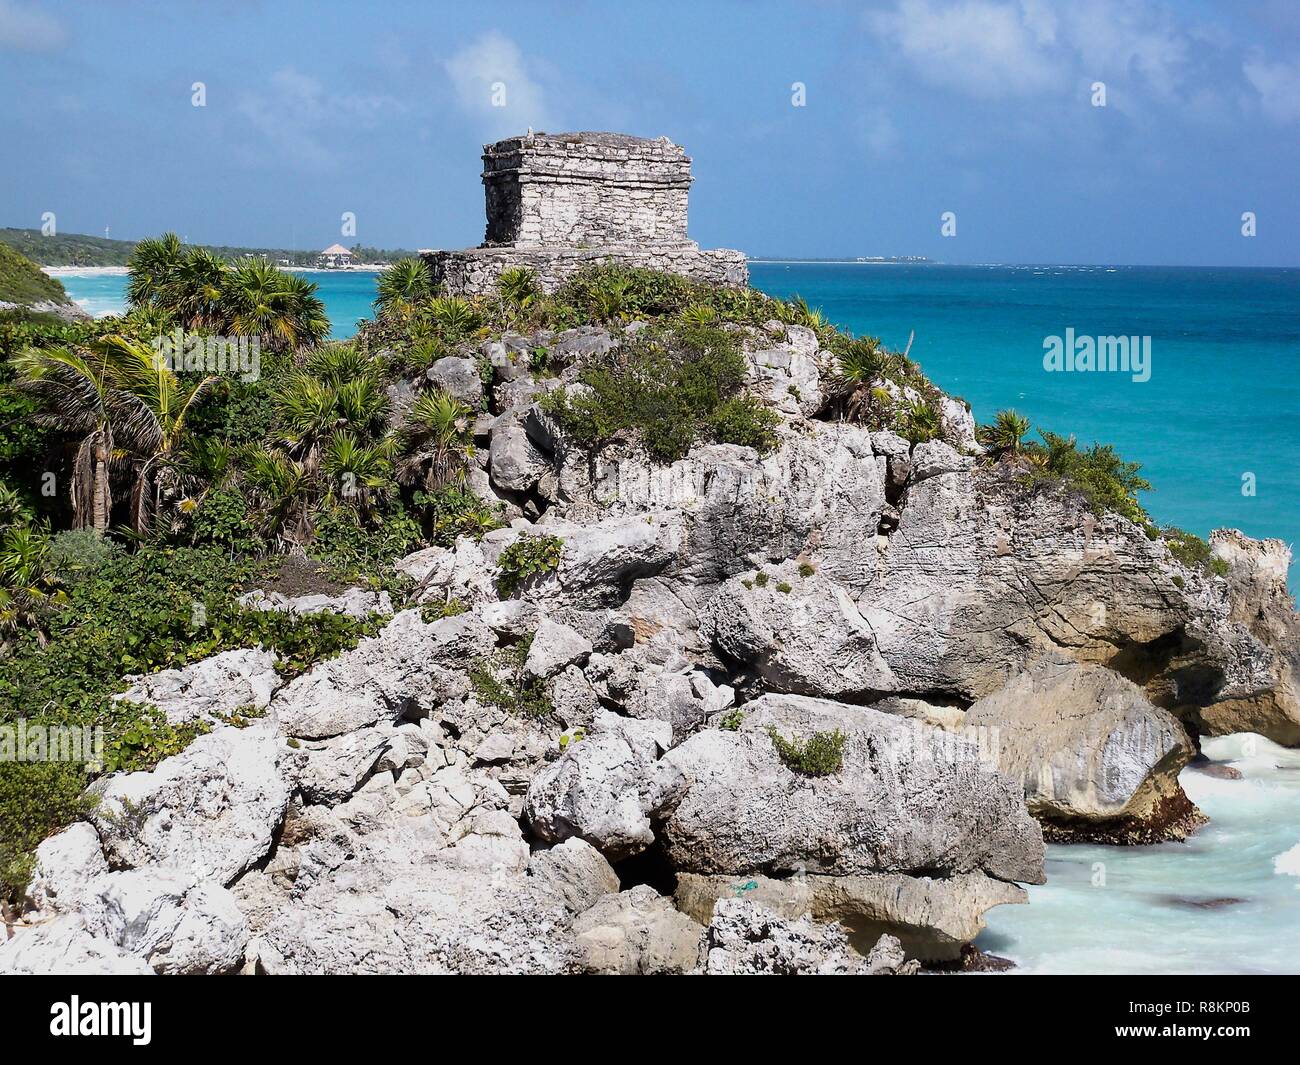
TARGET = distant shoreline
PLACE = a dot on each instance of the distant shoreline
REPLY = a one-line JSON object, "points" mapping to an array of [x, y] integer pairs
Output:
{"points": [[119, 271]]}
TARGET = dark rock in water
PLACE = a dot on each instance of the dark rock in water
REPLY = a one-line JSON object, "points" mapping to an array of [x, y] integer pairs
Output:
{"points": [[1172, 819], [1216, 769], [1189, 903], [972, 960]]}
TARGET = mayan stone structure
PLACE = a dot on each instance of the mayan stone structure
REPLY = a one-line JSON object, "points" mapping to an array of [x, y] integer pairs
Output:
{"points": [[557, 202]]}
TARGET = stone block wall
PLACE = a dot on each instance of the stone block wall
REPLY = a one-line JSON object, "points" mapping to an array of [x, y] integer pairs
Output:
{"points": [[585, 190], [475, 271]]}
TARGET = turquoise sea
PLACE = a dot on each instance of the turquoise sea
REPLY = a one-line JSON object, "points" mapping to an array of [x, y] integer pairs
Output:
{"points": [[1223, 401]]}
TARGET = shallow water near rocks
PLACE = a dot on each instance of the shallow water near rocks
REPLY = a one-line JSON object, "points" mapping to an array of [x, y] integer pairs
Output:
{"points": [[1225, 901]]}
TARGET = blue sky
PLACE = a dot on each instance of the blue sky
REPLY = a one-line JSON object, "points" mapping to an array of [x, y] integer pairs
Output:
{"points": [[913, 108]]}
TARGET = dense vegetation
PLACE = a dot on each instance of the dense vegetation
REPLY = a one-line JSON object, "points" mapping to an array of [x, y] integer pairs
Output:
{"points": [[25, 283], [140, 498], [79, 249]]}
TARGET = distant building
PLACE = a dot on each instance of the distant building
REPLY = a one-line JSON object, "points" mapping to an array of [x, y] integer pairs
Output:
{"points": [[334, 257]]}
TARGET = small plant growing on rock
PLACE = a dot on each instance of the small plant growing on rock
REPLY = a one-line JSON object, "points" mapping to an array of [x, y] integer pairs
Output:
{"points": [[1192, 551], [819, 756], [525, 560], [784, 587], [806, 569], [431, 612], [500, 680], [731, 721], [761, 579]]}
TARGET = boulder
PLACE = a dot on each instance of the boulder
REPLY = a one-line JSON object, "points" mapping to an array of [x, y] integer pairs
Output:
{"points": [[637, 932], [212, 810], [514, 460], [405, 669], [65, 862], [931, 917], [210, 689], [65, 947], [907, 799], [176, 923], [800, 634], [1096, 759], [743, 939], [334, 769], [459, 378], [554, 648], [575, 872], [606, 787]]}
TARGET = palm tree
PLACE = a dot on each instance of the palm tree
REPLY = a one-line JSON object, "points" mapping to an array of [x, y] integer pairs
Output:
{"points": [[701, 314], [282, 309], [1005, 435], [921, 422], [73, 393], [153, 263], [360, 471], [153, 408], [28, 585], [454, 316], [279, 487], [123, 401], [435, 440], [402, 285], [193, 292]]}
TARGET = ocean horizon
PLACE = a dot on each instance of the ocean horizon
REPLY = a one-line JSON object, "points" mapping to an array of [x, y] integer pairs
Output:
{"points": [[1214, 422]]}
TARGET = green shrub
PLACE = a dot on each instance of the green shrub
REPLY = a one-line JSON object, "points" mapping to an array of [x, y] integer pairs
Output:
{"points": [[431, 612], [673, 386], [36, 799], [806, 569], [451, 511], [732, 720], [1192, 551], [500, 681], [354, 550], [746, 421], [761, 579], [820, 755], [221, 519], [525, 560], [784, 587], [1104, 480]]}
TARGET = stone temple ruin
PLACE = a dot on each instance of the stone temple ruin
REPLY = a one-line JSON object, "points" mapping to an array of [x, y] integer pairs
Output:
{"points": [[557, 202]]}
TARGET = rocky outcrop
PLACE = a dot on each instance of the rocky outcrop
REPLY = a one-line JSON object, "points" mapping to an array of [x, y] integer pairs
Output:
{"points": [[210, 690], [743, 939], [907, 799], [637, 933], [357, 603], [404, 670], [485, 793], [931, 918], [1096, 759], [607, 787], [211, 811]]}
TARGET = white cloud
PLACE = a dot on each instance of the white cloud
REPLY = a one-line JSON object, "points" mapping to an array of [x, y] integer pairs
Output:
{"points": [[298, 114], [1278, 85], [1018, 48], [980, 47], [28, 29], [492, 68]]}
